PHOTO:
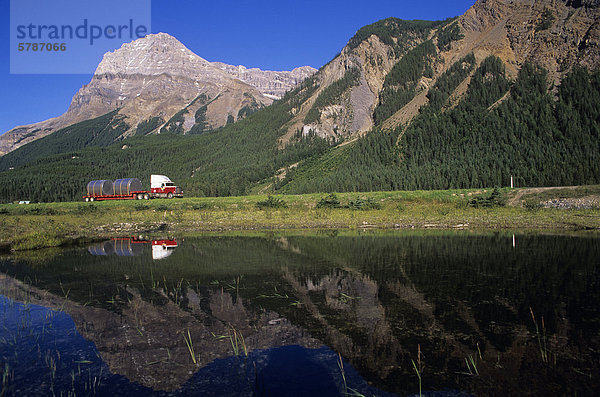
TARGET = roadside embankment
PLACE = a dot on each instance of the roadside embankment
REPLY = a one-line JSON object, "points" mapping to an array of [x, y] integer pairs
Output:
{"points": [[34, 226]]}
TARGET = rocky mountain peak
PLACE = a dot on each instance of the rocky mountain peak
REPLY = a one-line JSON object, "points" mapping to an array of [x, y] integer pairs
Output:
{"points": [[153, 78], [151, 55]]}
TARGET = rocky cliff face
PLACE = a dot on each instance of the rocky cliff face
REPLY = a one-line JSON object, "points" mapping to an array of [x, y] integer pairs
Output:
{"points": [[152, 79], [271, 83], [553, 34]]}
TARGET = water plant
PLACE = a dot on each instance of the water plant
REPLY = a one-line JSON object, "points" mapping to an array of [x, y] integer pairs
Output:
{"points": [[540, 337], [471, 365], [348, 391], [190, 345], [6, 376], [237, 342], [418, 368], [344, 298], [235, 337]]}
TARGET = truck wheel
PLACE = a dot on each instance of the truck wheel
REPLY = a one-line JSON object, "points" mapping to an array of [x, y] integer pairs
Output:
{"points": [[87, 199], [140, 196], [170, 195], [91, 199], [146, 196]]}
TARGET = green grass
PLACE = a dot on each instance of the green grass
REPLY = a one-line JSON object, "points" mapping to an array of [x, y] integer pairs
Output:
{"points": [[24, 227]]}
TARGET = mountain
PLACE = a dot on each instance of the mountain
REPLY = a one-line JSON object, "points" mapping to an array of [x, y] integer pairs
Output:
{"points": [[552, 34], [150, 81], [496, 93], [510, 88]]}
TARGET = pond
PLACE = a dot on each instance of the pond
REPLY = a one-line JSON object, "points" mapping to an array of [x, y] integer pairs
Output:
{"points": [[305, 313]]}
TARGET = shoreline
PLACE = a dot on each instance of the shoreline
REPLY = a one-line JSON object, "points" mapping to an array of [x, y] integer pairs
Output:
{"points": [[34, 226]]}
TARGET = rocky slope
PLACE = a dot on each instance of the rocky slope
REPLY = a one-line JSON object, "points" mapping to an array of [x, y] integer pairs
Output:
{"points": [[151, 79], [271, 83], [553, 34]]}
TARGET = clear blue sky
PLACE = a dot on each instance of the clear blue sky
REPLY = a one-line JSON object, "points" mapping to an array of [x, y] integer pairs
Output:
{"points": [[275, 35]]}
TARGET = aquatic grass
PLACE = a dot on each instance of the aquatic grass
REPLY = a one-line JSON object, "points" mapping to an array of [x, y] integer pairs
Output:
{"points": [[276, 294], [471, 365], [236, 339], [418, 368], [348, 391], [237, 342], [7, 375], [541, 337], [190, 345], [51, 364], [344, 298]]}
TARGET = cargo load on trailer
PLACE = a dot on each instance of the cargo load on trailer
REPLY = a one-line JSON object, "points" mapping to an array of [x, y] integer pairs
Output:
{"points": [[127, 186], [100, 188], [132, 189]]}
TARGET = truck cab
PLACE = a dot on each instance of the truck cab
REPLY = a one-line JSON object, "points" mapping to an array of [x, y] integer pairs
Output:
{"points": [[162, 187]]}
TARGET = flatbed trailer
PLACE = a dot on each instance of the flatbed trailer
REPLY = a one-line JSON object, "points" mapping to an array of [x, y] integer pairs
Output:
{"points": [[137, 195]]}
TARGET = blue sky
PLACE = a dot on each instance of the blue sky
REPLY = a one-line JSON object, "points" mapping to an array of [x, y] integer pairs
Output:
{"points": [[275, 35]]}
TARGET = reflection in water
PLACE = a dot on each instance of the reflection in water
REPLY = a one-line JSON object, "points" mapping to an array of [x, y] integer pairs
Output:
{"points": [[490, 317], [133, 246], [43, 354]]}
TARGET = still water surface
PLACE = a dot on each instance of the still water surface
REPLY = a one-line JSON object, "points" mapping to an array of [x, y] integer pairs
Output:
{"points": [[305, 314]]}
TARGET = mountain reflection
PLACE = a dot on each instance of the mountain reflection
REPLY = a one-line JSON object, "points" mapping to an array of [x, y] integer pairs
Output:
{"points": [[470, 303]]}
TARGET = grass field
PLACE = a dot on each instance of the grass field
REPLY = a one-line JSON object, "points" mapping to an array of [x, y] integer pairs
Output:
{"points": [[34, 226]]}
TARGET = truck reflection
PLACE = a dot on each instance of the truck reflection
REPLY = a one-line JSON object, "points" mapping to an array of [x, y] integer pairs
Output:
{"points": [[133, 246]]}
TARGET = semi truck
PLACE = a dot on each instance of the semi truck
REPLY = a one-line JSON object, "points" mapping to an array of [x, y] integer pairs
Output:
{"points": [[131, 189]]}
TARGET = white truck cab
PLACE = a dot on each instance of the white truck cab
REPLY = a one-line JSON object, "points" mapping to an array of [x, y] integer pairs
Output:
{"points": [[162, 186]]}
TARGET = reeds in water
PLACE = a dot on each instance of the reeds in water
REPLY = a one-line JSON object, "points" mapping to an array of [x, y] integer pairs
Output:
{"points": [[190, 345], [541, 337]]}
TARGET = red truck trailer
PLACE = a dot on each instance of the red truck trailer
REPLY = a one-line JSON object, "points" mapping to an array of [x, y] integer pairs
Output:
{"points": [[131, 189]]}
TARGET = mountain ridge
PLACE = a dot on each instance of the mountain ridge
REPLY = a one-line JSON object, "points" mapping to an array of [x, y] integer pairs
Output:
{"points": [[155, 77]]}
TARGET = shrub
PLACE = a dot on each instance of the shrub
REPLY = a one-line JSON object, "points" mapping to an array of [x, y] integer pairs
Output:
{"points": [[141, 206], [330, 201], [532, 204], [546, 20], [86, 208], [494, 199], [271, 202], [363, 204]]}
